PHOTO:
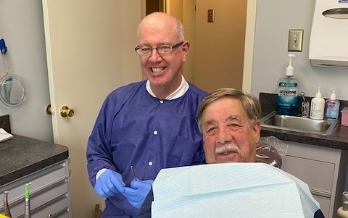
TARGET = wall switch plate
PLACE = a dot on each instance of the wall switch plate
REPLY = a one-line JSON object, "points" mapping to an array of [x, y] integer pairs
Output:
{"points": [[211, 16], [295, 40]]}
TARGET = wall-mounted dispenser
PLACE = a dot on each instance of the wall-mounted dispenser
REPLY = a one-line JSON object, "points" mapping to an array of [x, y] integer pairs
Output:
{"points": [[329, 36]]}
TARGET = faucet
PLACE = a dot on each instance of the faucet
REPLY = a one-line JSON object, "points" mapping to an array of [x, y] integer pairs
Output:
{"points": [[305, 106]]}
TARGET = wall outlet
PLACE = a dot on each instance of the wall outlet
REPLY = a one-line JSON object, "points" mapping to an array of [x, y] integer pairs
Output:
{"points": [[211, 16], [295, 40]]}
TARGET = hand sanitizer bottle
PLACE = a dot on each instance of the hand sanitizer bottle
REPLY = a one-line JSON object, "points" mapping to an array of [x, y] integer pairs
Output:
{"points": [[332, 106], [287, 101], [317, 106]]}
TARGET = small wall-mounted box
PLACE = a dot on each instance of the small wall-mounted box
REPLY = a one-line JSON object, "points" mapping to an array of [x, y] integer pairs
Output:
{"points": [[344, 118]]}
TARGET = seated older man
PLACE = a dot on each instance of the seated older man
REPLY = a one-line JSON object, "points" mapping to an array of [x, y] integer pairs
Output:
{"points": [[230, 123]]}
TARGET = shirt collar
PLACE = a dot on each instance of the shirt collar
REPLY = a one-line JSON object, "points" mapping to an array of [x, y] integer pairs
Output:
{"points": [[180, 91]]}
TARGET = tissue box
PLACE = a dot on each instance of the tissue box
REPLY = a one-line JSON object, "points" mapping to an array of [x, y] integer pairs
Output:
{"points": [[344, 118]]}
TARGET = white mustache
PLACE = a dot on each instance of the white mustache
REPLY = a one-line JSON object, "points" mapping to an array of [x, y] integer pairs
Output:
{"points": [[227, 148]]}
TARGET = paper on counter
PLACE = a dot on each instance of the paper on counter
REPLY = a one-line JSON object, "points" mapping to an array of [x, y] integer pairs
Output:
{"points": [[231, 190], [4, 135]]}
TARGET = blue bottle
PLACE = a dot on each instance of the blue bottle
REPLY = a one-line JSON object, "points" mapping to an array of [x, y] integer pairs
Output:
{"points": [[287, 100]]}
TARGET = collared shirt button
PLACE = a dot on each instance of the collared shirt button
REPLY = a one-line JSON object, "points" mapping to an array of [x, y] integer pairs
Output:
{"points": [[161, 101], [150, 163], [155, 132]]}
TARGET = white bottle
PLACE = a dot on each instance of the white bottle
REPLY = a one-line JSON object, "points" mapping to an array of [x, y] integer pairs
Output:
{"points": [[332, 106], [317, 106]]}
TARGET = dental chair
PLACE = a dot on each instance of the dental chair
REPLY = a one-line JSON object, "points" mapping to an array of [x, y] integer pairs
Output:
{"points": [[266, 153]]}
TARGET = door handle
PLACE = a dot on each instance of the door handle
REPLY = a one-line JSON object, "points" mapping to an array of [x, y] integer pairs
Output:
{"points": [[66, 112], [48, 110]]}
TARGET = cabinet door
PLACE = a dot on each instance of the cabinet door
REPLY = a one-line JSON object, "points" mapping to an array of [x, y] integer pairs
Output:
{"points": [[319, 167], [317, 174], [324, 204]]}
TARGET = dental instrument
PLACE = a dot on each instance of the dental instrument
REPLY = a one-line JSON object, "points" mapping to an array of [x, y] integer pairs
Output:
{"points": [[132, 169]]}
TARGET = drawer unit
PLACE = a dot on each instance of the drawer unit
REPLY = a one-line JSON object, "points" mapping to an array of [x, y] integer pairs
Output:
{"points": [[58, 207], [49, 193]]}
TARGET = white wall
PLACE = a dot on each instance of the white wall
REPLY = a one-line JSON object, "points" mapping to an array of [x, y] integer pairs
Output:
{"points": [[274, 18], [21, 25]]}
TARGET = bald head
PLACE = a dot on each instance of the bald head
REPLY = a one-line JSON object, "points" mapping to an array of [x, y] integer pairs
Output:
{"points": [[162, 23]]}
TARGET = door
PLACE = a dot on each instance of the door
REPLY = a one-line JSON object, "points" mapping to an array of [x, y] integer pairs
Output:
{"points": [[217, 48], [90, 51], [220, 44]]}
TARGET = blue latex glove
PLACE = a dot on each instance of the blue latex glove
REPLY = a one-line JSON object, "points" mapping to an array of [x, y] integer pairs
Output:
{"points": [[137, 192], [109, 183]]}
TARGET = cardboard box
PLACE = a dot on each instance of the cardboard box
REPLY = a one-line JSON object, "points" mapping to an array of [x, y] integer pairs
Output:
{"points": [[344, 117]]}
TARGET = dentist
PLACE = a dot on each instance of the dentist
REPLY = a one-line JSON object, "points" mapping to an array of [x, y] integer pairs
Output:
{"points": [[148, 125]]}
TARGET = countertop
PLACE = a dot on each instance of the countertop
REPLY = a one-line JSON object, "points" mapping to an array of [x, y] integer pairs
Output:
{"points": [[21, 156], [338, 139]]}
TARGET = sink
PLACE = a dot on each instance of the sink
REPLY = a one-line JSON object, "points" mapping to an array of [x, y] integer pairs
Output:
{"points": [[299, 124]]}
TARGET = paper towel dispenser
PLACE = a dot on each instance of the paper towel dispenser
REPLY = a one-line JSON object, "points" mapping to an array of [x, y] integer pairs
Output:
{"points": [[328, 45]]}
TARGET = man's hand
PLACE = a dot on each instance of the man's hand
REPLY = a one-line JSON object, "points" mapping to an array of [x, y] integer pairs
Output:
{"points": [[109, 184], [137, 192]]}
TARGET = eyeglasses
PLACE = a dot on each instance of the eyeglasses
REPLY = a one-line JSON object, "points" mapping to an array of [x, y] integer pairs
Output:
{"points": [[161, 49]]}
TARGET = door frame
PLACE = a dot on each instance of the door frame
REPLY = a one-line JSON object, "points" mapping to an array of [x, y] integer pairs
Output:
{"points": [[249, 45]]}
